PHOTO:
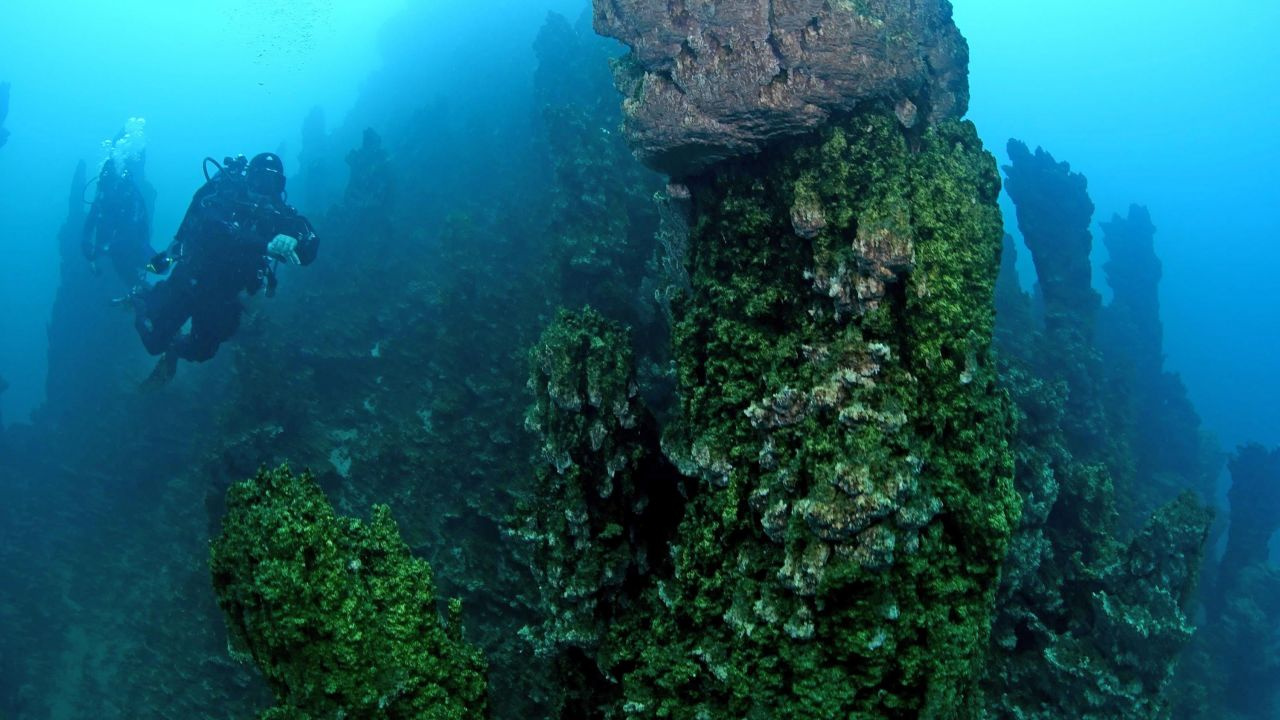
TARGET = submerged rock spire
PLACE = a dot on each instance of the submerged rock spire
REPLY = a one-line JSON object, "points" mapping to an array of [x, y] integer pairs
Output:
{"points": [[1169, 452], [847, 490]]}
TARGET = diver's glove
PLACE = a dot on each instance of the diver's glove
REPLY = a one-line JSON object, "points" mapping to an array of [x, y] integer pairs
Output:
{"points": [[285, 247]]}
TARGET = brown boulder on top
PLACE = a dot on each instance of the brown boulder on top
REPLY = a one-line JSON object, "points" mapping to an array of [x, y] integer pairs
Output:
{"points": [[707, 80]]}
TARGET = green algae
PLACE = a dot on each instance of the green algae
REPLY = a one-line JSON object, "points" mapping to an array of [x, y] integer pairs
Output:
{"points": [[338, 616], [849, 496], [859, 437], [598, 518]]}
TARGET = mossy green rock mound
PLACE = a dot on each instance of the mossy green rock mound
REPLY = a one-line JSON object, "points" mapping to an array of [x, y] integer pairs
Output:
{"points": [[338, 616]]}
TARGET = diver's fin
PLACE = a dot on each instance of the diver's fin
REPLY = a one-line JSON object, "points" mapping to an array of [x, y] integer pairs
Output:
{"points": [[166, 367]]}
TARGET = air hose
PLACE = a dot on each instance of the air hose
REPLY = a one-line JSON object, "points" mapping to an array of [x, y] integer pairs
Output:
{"points": [[204, 167]]}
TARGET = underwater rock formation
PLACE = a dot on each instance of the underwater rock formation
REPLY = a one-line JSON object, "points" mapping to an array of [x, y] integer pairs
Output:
{"points": [[831, 551], [337, 614], [1248, 652], [407, 400], [849, 485], [1169, 450], [1087, 623], [1255, 512], [102, 477], [573, 69], [101, 534], [1236, 658], [1133, 272], [844, 438], [370, 188], [839, 408], [604, 497], [1103, 641], [708, 81], [370, 192], [1054, 212], [409, 388], [69, 343], [1015, 319]]}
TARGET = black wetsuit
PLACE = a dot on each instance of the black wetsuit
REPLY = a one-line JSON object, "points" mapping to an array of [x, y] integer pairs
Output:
{"points": [[220, 249], [118, 227]]}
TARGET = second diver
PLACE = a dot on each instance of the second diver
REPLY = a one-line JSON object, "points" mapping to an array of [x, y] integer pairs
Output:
{"points": [[118, 224]]}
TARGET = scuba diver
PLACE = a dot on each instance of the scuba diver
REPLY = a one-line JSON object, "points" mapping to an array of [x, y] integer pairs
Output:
{"points": [[118, 224], [236, 230]]}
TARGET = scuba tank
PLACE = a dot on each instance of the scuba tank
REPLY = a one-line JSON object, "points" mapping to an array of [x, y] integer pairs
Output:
{"points": [[229, 171]]}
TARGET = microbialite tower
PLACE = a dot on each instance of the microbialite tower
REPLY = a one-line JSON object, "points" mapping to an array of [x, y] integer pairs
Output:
{"points": [[841, 447]]}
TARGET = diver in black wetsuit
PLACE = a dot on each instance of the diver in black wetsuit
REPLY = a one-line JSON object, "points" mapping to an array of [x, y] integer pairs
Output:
{"points": [[235, 231], [118, 224]]}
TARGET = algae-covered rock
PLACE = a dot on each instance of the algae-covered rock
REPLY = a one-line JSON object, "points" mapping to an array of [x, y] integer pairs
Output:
{"points": [[834, 547], [851, 488], [839, 403], [593, 434], [338, 616], [605, 500], [706, 81]]}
